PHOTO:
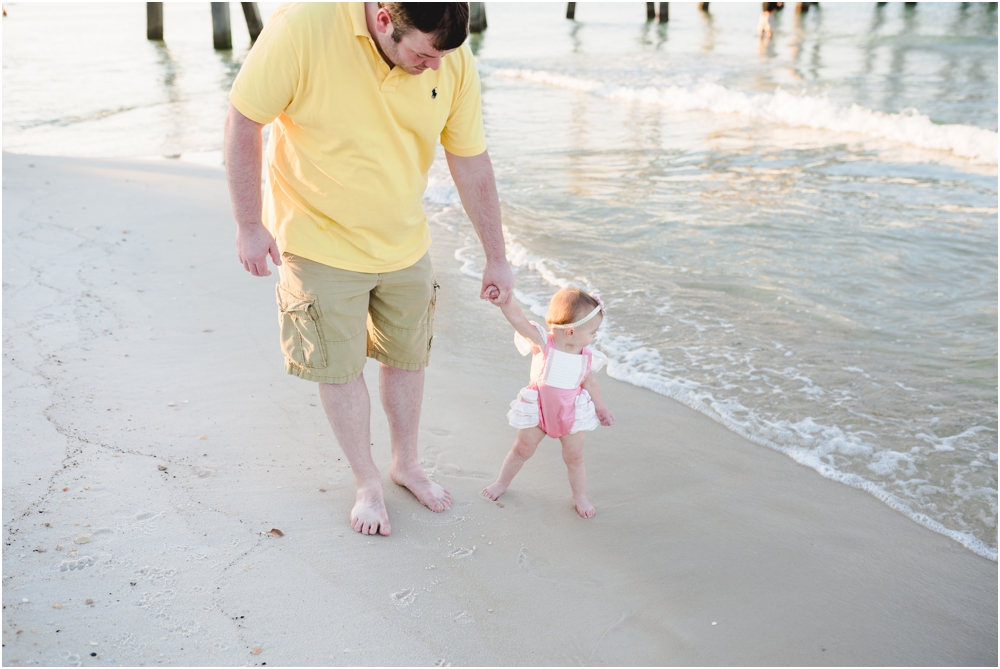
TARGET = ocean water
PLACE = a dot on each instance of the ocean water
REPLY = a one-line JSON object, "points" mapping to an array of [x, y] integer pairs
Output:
{"points": [[797, 238]]}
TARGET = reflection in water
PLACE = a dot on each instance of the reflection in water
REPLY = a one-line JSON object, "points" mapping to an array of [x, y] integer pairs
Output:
{"points": [[575, 37], [231, 67], [869, 44], [476, 42], [661, 35], [171, 71], [708, 34], [815, 62]]}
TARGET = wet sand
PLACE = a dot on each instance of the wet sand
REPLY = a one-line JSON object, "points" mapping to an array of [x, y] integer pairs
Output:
{"points": [[151, 440]]}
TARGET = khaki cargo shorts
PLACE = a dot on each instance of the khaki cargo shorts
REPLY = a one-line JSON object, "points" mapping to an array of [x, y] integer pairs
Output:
{"points": [[332, 319]]}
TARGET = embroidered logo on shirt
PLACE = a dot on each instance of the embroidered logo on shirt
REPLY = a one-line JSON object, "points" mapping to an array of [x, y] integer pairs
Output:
{"points": [[434, 93]]}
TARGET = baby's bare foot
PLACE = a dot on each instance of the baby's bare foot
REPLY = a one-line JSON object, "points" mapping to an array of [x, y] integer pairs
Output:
{"points": [[494, 491], [427, 492], [368, 515], [584, 508]]}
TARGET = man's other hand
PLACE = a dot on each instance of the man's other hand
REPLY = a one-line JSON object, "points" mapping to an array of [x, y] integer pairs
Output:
{"points": [[253, 244]]}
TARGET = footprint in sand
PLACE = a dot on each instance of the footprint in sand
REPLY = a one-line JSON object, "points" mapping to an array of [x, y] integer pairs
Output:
{"points": [[404, 598], [463, 618], [76, 563], [437, 520], [460, 553], [69, 659], [523, 559]]}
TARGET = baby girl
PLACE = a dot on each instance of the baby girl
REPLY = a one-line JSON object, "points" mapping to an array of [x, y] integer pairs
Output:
{"points": [[562, 400]]}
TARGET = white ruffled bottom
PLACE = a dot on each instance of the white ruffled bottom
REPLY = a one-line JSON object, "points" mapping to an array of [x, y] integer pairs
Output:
{"points": [[586, 414], [524, 412]]}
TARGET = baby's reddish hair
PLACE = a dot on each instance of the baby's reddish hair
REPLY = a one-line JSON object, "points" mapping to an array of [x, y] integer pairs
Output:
{"points": [[568, 306]]}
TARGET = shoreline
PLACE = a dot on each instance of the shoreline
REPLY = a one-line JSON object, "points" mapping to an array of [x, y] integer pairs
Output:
{"points": [[124, 349]]}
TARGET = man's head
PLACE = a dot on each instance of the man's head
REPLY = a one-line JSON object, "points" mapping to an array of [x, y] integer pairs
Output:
{"points": [[416, 35]]}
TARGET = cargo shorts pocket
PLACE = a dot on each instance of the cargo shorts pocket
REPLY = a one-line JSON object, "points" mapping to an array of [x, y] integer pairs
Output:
{"points": [[301, 335]]}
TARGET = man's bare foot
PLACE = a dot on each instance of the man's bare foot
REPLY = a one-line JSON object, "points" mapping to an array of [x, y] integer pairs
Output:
{"points": [[369, 515], [495, 490], [584, 508], [427, 492]]}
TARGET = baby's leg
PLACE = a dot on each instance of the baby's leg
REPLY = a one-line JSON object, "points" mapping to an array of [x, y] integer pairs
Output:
{"points": [[572, 453], [524, 447]]}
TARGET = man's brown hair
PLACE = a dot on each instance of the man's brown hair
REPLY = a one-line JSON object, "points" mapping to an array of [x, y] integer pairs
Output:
{"points": [[568, 306], [446, 22]]}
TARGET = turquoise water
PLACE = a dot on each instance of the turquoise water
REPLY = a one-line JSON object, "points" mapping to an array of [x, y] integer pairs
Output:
{"points": [[797, 238]]}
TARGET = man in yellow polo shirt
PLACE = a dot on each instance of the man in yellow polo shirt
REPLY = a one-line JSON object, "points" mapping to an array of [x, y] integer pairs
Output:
{"points": [[358, 95]]}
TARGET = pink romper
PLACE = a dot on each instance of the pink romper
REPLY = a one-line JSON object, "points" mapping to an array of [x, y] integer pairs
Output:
{"points": [[555, 400]]}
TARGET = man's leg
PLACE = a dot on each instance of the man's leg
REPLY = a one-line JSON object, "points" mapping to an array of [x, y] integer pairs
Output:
{"points": [[401, 392], [348, 408]]}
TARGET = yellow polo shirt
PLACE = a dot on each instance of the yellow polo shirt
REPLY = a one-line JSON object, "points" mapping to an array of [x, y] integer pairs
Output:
{"points": [[351, 140]]}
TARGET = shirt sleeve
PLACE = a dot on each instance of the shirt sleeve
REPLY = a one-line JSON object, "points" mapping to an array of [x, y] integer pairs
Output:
{"points": [[463, 133], [269, 77], [597, 360]]}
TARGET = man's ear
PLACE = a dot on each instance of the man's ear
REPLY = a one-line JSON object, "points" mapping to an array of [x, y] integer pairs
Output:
{"points": [[383, 21]]}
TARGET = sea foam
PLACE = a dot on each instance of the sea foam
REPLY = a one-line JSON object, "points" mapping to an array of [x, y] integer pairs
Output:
{"points": [[910, 127]]}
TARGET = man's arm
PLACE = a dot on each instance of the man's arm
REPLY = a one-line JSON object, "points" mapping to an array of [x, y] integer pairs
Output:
{"points": [[477, 187], [243, 147]]}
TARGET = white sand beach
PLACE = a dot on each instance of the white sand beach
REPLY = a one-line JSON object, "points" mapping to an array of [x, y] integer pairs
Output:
{"points": [[151, 440]]}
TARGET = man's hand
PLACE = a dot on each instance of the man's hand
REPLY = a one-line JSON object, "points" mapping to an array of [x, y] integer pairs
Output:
{"points": [[253, 244], [498, 283]]}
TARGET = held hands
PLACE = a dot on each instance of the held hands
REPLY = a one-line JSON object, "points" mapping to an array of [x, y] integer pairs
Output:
{"points": [[253, 244], [607, 420], [498, 283]]}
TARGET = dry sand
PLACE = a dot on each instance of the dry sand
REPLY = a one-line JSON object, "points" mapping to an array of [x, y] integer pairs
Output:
{"points": [[151, 440]]}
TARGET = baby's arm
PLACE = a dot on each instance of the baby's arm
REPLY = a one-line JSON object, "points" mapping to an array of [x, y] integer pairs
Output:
{"points": [[512, 311], [603, 415]]}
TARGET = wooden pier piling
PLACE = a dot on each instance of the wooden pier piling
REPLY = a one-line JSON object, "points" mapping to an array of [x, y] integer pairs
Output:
{"points": [[252, 15], [154, 21], [665, 11], [477, 17], [222, 35], [571, 10], [703, 6]]}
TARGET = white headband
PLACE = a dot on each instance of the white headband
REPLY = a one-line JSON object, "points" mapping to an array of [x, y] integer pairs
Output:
{"points": [[598, 309]]}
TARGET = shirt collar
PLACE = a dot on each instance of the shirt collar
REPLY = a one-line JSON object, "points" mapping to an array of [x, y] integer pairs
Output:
{"points": [[356, 10]]}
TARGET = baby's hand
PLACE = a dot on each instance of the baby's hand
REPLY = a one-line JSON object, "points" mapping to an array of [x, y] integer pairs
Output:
{"points": [[605, 417], [492, 294]]}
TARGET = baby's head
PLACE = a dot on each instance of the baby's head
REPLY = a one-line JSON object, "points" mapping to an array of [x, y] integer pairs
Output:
{"points": [[568, 307]]}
